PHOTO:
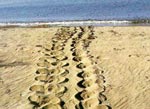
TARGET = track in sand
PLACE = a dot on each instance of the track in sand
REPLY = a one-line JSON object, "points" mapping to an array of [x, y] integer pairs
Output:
{"points": [[67, 77]]}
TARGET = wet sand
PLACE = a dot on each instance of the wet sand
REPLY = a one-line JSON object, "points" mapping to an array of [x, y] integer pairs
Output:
{"points": [[75, 68]]}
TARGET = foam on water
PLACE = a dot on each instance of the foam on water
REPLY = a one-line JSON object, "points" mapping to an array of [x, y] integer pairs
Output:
{"points": [[68, 23]]}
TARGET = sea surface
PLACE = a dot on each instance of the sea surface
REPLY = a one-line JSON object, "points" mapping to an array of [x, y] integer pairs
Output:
{"points": [[72, 10]]}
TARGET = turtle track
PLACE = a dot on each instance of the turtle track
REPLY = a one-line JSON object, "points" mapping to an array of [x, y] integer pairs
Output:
{"points": [[51, 74], [90, 97], [67, 77]]}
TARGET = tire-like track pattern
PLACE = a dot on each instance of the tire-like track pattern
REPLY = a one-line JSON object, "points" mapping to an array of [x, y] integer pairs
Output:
{"points": [[67, 77]]}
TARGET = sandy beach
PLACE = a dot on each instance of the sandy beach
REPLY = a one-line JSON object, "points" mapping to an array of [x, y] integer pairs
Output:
{"points": [[75, 68]]}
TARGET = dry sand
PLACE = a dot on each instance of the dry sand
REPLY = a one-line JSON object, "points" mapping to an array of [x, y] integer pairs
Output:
{"points": [[75, 68]]}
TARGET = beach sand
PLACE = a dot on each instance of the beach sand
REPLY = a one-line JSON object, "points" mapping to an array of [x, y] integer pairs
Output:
{"points": [[75, 68]]}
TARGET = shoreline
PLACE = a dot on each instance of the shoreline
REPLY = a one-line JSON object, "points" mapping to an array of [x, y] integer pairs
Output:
{"points": [[78, 23]]}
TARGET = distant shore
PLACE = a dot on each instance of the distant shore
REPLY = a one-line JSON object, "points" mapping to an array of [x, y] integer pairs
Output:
{"points": [[78, 23]]}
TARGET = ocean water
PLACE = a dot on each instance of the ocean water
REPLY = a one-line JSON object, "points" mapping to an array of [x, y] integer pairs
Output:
{"points": [[68, 10]]}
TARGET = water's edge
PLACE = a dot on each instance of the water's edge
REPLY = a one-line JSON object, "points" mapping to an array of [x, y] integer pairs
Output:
{"points": [[77, 23]]}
